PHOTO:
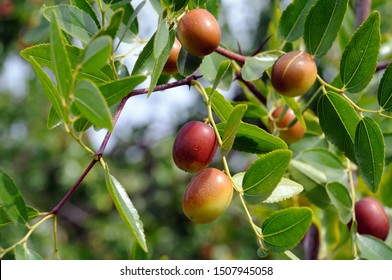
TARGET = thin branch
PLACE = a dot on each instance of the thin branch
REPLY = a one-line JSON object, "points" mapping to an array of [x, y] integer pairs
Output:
{"points": [[186, 81], [382, 65], [237, 57]]}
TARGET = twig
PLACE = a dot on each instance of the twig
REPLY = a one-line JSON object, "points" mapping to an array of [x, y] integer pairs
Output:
{"points": [[98, 156]]}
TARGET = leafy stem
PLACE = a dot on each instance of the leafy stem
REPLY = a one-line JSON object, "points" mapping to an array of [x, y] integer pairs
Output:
{"points": [[26, 237]]}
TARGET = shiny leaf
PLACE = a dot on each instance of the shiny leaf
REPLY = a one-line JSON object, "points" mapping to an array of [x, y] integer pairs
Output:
{"points": [[322, 25], [370, 152], [359, 59], [284, 229]]}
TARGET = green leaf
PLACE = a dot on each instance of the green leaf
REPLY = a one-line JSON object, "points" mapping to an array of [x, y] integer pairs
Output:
{"points": [[62, 67], [86, 6], [322, 25], [90, 102], [23, 253], [284, 229], [12, 200], [293, 104], [231, 128], [114, 25], [161, 38], [327, 162], [286, 189], [385, 193], [238, 179], [73, 21], [341, 198], [312, 180], [187, 63], [126, 209], [291, 24], [213, 64], [41, 53], [49, 89], [359, 59], [253, 139], [255, 66], [53, 119], [370, 152], [385, 90], [372, 248], [160, 62], [223, 67], [264, 175], [114, 91], [5, 220], [97, 53], [129, 26], [220, 106], [144, 64], [339, 122]]}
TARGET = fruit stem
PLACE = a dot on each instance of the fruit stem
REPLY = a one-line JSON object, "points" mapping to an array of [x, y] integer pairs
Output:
{"points": [[353, 200]]}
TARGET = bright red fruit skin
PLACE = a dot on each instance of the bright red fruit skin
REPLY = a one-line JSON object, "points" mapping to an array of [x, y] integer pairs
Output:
{"points": [[294, 73], [194, 147], [371, 218], [292, 134], [199, 32], [207, 196]]}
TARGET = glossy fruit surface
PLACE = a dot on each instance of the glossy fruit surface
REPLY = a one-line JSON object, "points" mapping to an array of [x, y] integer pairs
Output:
{"points": [[371, 218], [199, 32], [292, 134], [195, 146], [170, 67], [294, 73], [207, 196]]}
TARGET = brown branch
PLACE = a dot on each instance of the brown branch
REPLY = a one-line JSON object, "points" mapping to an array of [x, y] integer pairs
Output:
{"points": [[235, 56], [187, 81]]}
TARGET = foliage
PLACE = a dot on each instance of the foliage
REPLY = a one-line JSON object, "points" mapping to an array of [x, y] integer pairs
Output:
{"points": [[345, 154]]}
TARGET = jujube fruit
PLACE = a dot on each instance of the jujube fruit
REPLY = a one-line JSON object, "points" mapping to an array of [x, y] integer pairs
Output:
{"points": [[207, 196], [199, 32], [195, 146], [371, 218], [170, 67], [289, 135], [294, 73]]}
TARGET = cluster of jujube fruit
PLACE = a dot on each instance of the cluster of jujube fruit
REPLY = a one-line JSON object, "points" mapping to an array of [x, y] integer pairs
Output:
{"points": [[210, 191]]}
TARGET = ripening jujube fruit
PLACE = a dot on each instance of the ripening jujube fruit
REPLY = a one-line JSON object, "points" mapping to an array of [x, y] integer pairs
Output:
{"points": [[207, 196], [289, 135], [199, 32], [294, 73], [170, 67], [371, 218], [195, 146]]}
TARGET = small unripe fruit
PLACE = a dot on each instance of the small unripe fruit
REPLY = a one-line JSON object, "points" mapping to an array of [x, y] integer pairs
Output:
{"points": [[371, 218], [170, 67], [199, 32], [294, 73], [289, 135], [195, 146], [207, 196]]}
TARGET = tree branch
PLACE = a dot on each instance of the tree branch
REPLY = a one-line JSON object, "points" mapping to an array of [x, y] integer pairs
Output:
{"points": [[186, 81]]}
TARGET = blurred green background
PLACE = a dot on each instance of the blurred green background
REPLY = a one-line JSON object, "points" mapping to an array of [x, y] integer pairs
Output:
{"points": [[46, 163]]}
